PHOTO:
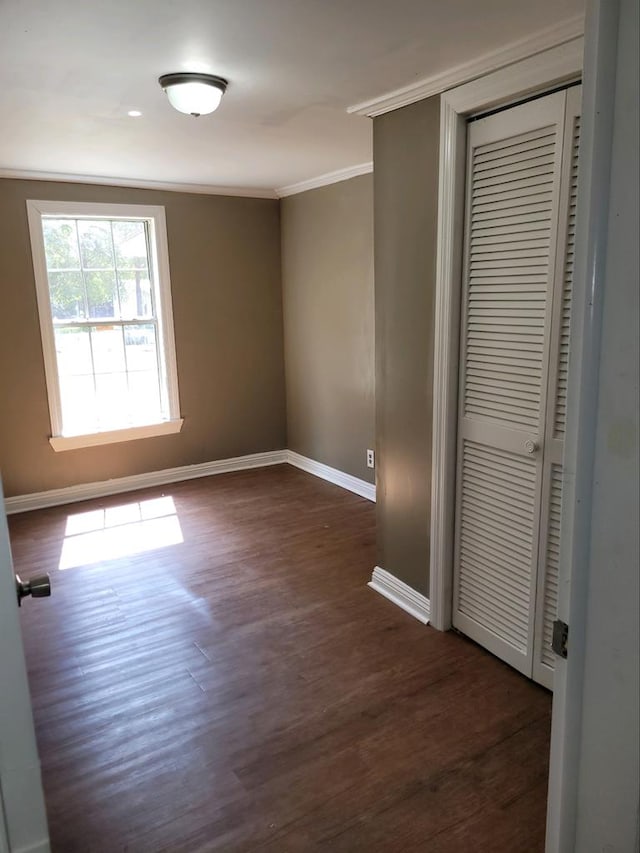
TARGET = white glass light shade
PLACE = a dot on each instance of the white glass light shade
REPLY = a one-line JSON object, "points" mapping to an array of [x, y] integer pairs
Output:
{"points": [[193, 94], [194, 98]]}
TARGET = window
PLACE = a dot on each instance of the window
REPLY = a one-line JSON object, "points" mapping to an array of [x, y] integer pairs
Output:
{"points": [[104, 299]]}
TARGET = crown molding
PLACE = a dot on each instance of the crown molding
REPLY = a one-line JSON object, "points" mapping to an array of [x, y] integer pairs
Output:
{"points": [[324, 180], [538, 42], [169, 186], [202, 189]]}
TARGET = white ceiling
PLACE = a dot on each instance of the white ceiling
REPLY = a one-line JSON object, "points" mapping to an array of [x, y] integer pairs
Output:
{"points": [[71, 69]]}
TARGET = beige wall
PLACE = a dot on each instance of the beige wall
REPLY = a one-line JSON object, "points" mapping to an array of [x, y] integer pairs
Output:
{"points": [[405, 145], [327, 277], [225, 273]]}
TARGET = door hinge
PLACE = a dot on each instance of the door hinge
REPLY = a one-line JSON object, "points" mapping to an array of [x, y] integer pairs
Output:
{"points": [[560, 639]]}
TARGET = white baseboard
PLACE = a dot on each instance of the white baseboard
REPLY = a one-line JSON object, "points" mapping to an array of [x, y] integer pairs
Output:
{"points": [[401, 594], [339, 478], [104, 488], [86, 491]]}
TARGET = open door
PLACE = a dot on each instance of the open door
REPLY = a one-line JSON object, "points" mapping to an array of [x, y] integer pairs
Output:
{"points": [[23, 821]]}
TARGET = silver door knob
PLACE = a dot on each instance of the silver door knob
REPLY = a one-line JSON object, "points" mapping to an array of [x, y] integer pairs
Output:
{"points": [[531, 446], [38, 587]]}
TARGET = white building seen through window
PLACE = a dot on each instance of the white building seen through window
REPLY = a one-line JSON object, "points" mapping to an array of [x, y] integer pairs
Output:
{"points": [[104, 299]]}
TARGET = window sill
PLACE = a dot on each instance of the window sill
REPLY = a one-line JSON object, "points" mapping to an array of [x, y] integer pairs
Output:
{"points": [[94, 439]]}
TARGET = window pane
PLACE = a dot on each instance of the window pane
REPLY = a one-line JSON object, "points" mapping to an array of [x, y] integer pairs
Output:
{"points": [[106, 311], [108, 349], [111, 392], [101, 294], [79, 409], [140, 343], [131, 245], [66, 292], [60, 244], [73, 351], [95, 244], [135, 294], [144, 396]]}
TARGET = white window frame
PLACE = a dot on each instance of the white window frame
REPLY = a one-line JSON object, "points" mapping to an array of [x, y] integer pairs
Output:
{"points": [[159, 261]]}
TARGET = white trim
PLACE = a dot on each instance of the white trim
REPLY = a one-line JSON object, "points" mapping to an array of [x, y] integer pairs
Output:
{"points": [[533, 75], [134, 183], [400, 593], [44, 314], [445, 365], [591, 239], [537, 73], [104, 488], [538, 42], [324, 180], [86, 491], [161, 283], [332, 475], [93, 439], [162, 280], [97, 209]]}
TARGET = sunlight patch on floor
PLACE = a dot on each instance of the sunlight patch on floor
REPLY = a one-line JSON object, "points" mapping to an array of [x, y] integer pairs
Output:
{"points": [[120, 531]]}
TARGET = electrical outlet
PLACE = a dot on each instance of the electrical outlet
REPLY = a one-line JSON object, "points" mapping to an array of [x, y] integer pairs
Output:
{"points": [[371, 459]]}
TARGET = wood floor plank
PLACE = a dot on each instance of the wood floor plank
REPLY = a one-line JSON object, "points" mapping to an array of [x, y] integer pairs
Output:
{"points": [[244, 690]]}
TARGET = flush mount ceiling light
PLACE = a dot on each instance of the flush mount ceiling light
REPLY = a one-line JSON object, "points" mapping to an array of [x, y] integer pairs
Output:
{"points": [[192, 93]]}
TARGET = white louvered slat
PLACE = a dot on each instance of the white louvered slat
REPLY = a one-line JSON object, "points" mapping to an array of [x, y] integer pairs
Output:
{"points": [[511, 205], [551, 565], [515, 145], [512, 164], [497, 508], [560, 415]]}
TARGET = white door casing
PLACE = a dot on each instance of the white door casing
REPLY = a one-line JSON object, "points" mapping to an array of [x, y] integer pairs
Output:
{"points": [[22, 811], [598, 593]]}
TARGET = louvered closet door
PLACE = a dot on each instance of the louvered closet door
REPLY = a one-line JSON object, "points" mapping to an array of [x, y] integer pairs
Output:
{"points": [[547, 595], [513, 189]]}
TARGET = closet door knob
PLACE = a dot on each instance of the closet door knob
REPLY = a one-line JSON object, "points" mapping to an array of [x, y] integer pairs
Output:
{"points": [[531, 446]]}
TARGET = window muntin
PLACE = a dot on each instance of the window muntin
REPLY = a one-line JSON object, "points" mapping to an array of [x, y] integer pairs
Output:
{"points": [[107, 329]]}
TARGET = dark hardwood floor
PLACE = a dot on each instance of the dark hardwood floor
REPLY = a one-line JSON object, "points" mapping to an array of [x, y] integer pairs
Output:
{"points": [[244, 690]]}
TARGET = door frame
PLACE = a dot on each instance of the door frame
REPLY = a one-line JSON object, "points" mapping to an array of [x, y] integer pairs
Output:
{"points": [[599, 91], [592, 231], [554, 67]]}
